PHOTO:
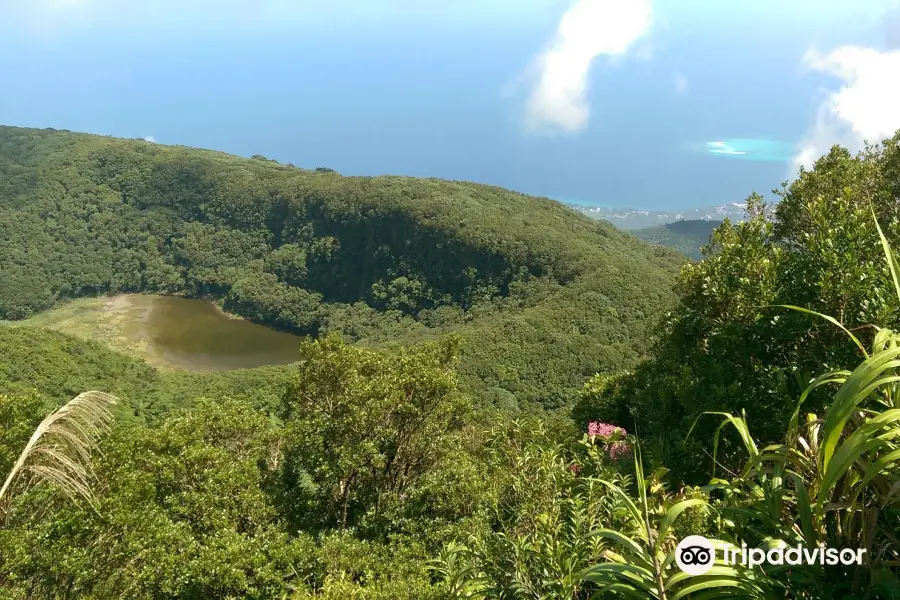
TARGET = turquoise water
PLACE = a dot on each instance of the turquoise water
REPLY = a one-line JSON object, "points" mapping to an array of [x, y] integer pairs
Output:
{"points": [[751, 149], [748, 149]]}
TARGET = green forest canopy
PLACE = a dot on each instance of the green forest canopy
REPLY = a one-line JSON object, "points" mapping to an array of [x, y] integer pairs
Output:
{"points": [[686, 236], [542, 297]]}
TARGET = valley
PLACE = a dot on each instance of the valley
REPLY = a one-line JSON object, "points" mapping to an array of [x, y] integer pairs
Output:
{"points": [[687, 236], [472, 300], [539, 296]]}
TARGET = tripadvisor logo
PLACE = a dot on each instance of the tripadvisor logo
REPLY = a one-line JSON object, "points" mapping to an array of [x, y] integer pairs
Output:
{"points": [[696, 555]]}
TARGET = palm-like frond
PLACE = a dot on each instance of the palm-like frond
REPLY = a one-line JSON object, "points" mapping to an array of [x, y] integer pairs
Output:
{"points": [[642, 565], [831, 482], [462, 576], [59, 451]]}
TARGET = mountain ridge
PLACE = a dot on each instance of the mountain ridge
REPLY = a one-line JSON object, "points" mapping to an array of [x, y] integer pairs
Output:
{"points": [[685, 236]]}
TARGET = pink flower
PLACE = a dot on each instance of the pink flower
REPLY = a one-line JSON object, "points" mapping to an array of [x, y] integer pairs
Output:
{"points": [[603, 429], [619, 450], [615, 449]]}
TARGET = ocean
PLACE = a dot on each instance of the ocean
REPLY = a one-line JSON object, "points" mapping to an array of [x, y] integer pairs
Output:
{"points": [[432, 104]]}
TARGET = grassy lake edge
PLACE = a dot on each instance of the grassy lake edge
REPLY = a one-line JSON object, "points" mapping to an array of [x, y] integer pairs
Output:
{"points": [[132, 323]]}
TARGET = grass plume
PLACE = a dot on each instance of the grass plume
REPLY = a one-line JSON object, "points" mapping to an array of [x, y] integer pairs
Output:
{"points": [[59, 451]]}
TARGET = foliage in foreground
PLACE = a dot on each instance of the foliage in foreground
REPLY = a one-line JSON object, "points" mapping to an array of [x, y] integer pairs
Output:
{"points": [[586, 530], [222, 501], [731, 346]]}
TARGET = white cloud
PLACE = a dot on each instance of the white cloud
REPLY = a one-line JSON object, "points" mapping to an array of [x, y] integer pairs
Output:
{"points": [[866, 108], [150, 139], [681, 84], [589, 29]]}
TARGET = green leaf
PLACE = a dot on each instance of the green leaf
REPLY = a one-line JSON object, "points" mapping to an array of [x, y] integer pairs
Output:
{"points": [[888, 255], [831, 320], [637, 553], [671, 515]]}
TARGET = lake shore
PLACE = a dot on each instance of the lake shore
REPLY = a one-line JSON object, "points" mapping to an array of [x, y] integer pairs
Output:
{"points": [[170, 332], [120, 322]]}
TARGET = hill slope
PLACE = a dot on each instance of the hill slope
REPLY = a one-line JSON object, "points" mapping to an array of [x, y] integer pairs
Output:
{"points": [[685, 236], [542, 296], [61, 366]]}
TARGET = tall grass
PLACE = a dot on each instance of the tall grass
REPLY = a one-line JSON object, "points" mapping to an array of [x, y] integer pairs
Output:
{"points": [[641, 562], [59, 451]]}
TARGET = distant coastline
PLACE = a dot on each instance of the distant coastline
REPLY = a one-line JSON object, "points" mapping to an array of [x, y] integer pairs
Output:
{"points": [[634, 218]]}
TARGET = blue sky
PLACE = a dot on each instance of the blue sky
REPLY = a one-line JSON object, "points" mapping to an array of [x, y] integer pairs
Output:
{"points": [[613, 103]]}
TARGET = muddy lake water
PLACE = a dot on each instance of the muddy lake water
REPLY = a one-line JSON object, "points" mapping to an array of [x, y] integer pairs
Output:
{"points": [[195, 334]]}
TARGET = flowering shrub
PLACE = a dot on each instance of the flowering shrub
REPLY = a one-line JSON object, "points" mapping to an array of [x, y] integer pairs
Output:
{"points": [[613, 435], [603, 429], [619, 450]]}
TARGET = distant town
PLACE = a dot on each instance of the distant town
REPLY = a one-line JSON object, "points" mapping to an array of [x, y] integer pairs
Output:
{"points": [[632, 218]]}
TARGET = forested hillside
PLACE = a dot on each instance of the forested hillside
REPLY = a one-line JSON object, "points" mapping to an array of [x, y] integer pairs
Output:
{"points": [[527, 282], [687, 237], [60, 366]]}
